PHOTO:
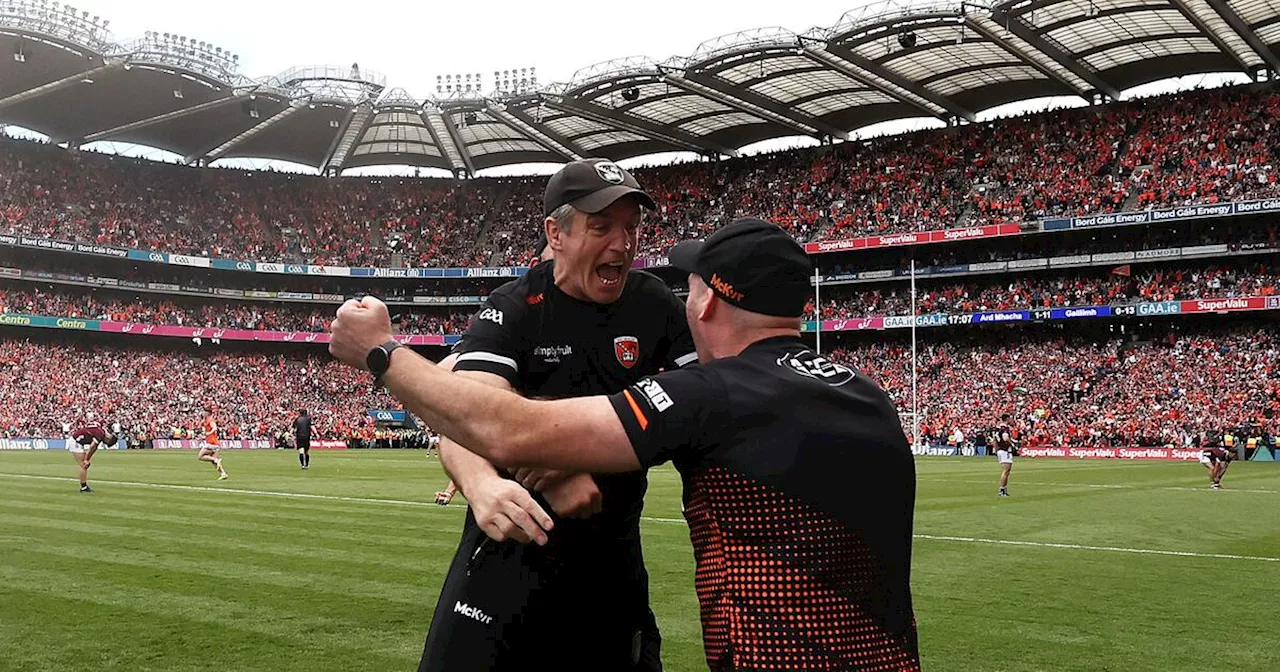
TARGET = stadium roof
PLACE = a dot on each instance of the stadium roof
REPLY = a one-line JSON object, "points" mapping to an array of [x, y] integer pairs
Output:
{"points": [[892, 60]]}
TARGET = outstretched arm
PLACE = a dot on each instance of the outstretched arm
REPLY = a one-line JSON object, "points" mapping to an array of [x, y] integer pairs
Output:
{"points": [[500, 425], [508, 429]]}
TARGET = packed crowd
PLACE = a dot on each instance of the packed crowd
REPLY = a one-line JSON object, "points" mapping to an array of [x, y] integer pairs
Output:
{"points": [[1206, 149], [147, 205], [160, 394], [1078, 392], [1238, 236], [1201, 146], [1085, 287], [1053, 391], [93, 304]]}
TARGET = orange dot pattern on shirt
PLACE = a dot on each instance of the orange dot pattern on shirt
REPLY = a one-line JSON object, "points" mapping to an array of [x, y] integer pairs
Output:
{"points": [[782, 585]]}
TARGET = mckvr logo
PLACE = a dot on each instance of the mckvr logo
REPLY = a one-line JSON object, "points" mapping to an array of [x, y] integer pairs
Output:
{"points": [[471, 612]]}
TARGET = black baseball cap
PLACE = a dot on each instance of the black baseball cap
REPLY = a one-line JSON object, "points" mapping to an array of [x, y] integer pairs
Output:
{"points": [[591, 185], [752, 264]]}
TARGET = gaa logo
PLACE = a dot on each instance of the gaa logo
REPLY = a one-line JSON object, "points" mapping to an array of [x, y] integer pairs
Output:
{"points": [[610, 172]]}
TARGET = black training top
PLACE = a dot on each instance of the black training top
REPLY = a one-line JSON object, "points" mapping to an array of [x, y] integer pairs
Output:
{"points": [[302, 427], [550, 345], [799, 489]]}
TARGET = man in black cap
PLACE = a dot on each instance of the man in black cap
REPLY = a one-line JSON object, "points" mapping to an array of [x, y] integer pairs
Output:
{"points": [[579, 323], [795, 568]]}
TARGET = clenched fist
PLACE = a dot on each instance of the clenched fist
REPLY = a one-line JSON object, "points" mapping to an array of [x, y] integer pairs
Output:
{"points": [[360, 326]]}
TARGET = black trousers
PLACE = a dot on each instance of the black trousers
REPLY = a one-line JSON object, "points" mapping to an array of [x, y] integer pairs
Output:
{"points": [[501, 608]]}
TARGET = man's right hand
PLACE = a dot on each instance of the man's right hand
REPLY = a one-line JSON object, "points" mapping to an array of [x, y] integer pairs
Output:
{"points": [[505, 510], [575, 496]]}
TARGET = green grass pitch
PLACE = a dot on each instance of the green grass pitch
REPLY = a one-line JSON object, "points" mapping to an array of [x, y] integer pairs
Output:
{"points": [[158, 571]]}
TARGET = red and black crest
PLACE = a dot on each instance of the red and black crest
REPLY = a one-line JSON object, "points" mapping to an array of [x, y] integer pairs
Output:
{"points": [[627, 350]]}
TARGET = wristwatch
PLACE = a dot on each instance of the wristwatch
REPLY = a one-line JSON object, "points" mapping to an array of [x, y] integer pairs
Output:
{"points": [[379, 359]]}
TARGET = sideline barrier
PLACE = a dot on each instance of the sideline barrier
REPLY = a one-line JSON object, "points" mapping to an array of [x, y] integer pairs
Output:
{"points": [[191, 444], [28, 443], [1178, 454]]}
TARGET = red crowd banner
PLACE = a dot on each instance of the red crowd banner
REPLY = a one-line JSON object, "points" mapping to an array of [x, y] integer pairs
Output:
{"points": [[329, 444], [1224, 305], [1182, 454], [915, 238]]}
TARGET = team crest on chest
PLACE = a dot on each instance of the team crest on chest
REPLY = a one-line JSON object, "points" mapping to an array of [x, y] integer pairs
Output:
{"points": [[627, 350]]}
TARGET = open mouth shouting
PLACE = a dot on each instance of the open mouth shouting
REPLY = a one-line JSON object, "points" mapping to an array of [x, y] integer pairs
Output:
{"points": [[611, 274]]}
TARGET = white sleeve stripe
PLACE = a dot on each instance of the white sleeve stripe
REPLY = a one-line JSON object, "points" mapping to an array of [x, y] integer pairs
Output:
{"points": [[687, 359], [488, 357]]}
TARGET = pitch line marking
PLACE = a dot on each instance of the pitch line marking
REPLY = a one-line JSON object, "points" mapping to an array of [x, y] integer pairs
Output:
{"points": [[404, 502], [1110, 549], [1106, 486], [234, 491]]}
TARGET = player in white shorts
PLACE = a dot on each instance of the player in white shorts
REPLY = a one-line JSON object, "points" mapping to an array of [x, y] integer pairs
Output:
{"points": [[1004, 455], [1216, 459], [85, 441]]}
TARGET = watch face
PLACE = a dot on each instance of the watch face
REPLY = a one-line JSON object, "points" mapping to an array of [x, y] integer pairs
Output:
{"points": [[377, 360]]}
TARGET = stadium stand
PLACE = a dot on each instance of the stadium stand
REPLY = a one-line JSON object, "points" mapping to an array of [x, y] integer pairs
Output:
{"points": [[121, 306], [1083, 390], [1086, 287], [1201, 147], [160, 392]]}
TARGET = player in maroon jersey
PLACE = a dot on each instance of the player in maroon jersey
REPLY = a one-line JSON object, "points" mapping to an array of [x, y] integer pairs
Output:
{"points": [[85, 441], [1215, 459]]}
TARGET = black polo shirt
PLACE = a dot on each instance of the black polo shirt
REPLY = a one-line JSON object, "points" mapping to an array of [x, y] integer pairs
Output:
{"points": [[799, 489], [550, 345], [302, 428]]}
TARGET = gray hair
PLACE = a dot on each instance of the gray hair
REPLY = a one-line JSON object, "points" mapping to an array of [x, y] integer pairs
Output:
{"points": [[563, 216]]}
